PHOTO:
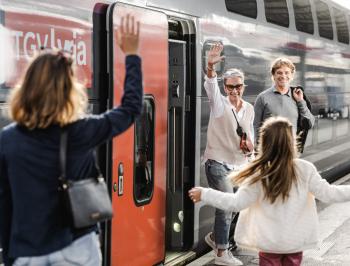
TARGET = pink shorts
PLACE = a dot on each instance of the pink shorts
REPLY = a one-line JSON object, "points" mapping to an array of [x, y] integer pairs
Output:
{"points": [[272, 259]]}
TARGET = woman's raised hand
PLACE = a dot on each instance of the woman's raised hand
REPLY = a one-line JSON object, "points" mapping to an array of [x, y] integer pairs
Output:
{"points": [[128, 35], [214, 54]]}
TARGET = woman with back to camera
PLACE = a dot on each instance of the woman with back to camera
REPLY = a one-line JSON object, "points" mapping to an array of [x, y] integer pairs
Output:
{"points": [[32, 225], [276, 198]]}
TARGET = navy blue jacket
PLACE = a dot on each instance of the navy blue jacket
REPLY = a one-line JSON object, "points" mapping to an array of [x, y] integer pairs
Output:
{"points": [[31, 217]]}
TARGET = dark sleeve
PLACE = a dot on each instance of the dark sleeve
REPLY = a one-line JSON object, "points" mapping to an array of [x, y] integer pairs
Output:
{"points": [[306, 113], [5, 206], [99, 128], [258, 116]]}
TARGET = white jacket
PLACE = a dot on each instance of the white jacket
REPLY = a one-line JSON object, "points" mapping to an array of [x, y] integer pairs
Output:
{"points": [[222, 139], [286, 227]]}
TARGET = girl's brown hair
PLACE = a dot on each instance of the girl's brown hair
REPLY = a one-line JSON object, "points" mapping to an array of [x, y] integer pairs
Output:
{"points": [[274, 164], [49, 93]]}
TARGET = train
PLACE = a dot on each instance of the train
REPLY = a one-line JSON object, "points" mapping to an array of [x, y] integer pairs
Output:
{"points": [[150, 168]]}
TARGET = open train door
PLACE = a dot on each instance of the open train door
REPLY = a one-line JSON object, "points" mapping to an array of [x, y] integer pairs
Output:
{"points": [[138, 163]]}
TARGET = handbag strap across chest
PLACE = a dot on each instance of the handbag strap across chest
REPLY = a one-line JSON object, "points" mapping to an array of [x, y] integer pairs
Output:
{"points": [[63, 157], [239, 129], [235, 117]]}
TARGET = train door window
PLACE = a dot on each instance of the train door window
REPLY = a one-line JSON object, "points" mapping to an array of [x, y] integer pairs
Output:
{"points": [[276, 12], [341, 25], [303, 16], [324, 20], [246, 8], [144, 154]]}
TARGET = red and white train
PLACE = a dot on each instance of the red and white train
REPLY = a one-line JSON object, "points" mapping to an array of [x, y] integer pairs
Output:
{"points": [[151, 166]]}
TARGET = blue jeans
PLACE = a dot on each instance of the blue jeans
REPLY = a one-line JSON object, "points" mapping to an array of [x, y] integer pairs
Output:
{"points": [[217, 179], [84, 251]]}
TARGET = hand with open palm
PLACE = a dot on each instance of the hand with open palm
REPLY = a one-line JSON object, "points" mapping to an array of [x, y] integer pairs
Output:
{"points": [[214, 54], [128, 35]]}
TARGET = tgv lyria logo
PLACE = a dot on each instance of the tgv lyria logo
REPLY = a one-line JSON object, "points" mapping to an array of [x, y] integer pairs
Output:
{"points": [[26, 42]]}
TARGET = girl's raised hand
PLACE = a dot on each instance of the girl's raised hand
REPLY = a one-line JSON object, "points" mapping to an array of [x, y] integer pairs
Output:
{"points": [[195, 194]]}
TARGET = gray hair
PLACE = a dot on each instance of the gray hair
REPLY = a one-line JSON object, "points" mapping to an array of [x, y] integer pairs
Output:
{"points": [[233, 73]]}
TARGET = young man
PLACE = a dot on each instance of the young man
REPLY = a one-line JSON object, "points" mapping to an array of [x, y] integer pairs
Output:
{"points": [[279, 100]]}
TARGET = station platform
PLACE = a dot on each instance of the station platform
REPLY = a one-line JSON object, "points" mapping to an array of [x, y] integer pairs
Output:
{"points": [[334, 237], [334, 246]]}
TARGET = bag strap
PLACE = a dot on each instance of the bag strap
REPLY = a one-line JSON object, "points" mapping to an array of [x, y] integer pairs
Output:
{"points": [[63, 157], [63, 154], [235, 117], [96, 165]]}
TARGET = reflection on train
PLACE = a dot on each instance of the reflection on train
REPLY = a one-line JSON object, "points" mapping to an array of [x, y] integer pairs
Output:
{"points": [[151, 167]]}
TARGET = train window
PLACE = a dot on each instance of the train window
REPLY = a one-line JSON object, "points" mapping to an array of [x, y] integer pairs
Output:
{"points": [[276, 12], [144, 154], [175, 29], [246, 8], [2, 17], [324, 20], [341, 25], [303, 16]]}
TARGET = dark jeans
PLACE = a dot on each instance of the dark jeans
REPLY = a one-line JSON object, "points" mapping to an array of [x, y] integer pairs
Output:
{"points": [[217, 179]]}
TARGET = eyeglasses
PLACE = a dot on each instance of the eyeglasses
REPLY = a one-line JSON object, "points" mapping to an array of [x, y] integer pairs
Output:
{"points": [[230, 87]]}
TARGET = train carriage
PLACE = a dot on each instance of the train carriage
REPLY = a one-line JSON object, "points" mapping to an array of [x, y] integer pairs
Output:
{"points": [[152, 165]]}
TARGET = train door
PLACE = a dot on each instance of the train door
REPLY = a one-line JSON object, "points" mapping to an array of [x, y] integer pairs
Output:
{"points": [[138, 163], [181, 141]]}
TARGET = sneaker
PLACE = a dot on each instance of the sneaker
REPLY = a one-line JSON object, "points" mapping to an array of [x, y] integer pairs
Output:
{"points": [[210, 241], [227, 259]]}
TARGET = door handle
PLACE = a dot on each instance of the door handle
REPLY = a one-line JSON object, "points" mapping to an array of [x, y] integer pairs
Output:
{"points": [[120, 179], [174, 150]]}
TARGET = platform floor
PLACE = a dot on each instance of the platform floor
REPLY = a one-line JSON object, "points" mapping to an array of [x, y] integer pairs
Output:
{"points": [[334, 248]]}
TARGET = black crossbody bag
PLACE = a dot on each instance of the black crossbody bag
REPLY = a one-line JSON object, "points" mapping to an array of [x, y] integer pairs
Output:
{"points": [[243, 145], [87, 201]]}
